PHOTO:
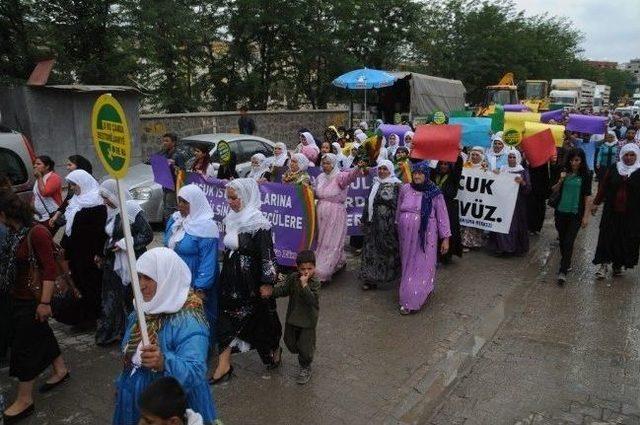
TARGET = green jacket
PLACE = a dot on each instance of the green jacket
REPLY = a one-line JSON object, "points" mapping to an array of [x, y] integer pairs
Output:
{"points": [[304, 303]]}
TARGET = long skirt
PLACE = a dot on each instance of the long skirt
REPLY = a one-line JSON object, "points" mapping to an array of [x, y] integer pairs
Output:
{"points": [[116, 306], [517, 240], [256, 324], [332, 232], [418, 266], [33, 346], [617, 243], [380, 261]]}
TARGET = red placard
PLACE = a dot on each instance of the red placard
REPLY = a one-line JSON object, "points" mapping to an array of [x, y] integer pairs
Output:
{"points": [[441, 142], [539, 148]]}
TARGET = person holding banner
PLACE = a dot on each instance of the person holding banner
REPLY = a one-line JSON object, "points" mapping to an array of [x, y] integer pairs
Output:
{"points": [[84, 239], [516, 242], [571, 198], [380, 261], [619, 237], [447, 177], [176, 162], [116, 281], [178, 338], [422, 220], [193, 234], [249, 268], [472, 237], [297, 173], [497, 153], [331, 192], [202, 160]]}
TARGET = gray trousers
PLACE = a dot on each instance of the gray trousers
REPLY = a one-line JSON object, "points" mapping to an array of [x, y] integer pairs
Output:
{"points": [[300, 341]]}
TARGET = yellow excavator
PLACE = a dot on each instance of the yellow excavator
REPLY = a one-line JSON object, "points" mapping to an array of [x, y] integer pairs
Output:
{"points": [[503, 93]]}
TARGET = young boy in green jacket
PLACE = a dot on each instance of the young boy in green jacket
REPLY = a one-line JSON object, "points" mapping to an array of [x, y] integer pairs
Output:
{"points": [[303, 290]]}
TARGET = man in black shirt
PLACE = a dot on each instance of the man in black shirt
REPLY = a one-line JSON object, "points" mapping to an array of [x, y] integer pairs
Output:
{"points": [[245, 124]]}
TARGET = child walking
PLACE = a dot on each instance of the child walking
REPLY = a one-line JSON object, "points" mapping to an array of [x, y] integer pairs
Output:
{"points": [[303, 290]]}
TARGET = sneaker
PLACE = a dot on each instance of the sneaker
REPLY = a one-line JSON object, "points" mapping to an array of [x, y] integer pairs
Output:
{"points": [[601, 273], [562, 278], [304, 375], [404, 311]]}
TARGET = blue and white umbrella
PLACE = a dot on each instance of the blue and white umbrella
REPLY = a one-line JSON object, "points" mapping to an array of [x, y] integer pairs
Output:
{"points": [[365, 79]]}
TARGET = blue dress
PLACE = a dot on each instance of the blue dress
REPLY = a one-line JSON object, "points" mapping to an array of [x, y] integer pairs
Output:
{"points": [[183, 339], [201, 256]]}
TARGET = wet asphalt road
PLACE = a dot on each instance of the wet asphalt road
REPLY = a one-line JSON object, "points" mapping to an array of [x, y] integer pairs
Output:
{"points": [[498, 343]]}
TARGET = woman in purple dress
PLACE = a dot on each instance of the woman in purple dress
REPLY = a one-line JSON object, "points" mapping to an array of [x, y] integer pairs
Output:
{"points": [[422, 220], [516, 242]]}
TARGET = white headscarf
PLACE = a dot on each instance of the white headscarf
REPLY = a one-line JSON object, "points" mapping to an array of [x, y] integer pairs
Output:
{"points": [[491, 155], [172, 276], [518, 167], [109, 189], [615, 139], [249, 219], [310, 140], [624, 169], [89, 196], [359, 134], [333, 159], [377, 181], [404, 138], [394, 142], [364, 126], [199, 222], [480, 150], [303, 161], [257, 171], [279, 160]]}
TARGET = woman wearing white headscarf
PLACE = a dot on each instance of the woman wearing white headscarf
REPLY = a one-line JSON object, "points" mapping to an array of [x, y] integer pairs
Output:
{"points": [[331, 192], [408, 139], [249, 269], [607, 154], [619, 238], [497, 153], [516, 242], [117, 295], [279, 161], [380, 261], [84, 239], [178, 338], [193, 234], [308, 147], [297, 172], [393, 144], [260, 168]]}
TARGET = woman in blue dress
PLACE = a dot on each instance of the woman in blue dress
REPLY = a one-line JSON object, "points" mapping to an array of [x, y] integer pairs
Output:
{"points": [[193, 235], [178, 338]]}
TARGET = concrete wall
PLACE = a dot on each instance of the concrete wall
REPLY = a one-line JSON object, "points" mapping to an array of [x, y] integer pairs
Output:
{"points": [[58, 122], [277, 126]]}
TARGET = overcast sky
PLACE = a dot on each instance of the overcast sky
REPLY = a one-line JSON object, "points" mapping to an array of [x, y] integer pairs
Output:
{"points": [[611, 28]]}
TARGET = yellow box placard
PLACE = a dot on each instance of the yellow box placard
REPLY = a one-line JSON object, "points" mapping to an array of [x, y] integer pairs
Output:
{"points": [[516, 120], [531, 128]]}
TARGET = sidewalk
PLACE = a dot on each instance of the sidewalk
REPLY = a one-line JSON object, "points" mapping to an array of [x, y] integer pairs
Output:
{"points": [[568, 356]]}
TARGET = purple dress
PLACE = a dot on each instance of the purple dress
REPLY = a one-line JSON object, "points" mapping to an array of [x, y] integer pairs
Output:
{"points": [[331, 211], [418, 267]]}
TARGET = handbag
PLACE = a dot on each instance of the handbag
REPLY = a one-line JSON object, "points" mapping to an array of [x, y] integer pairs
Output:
{"points": [[554, 199], [61, 221], [65, 300]]}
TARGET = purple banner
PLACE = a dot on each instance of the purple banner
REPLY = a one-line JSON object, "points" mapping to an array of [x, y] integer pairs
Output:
{"points": [[356, 197], [162, 172], [287, 207], [399, 130], [556, 115], [587, 124], [516, 107]]}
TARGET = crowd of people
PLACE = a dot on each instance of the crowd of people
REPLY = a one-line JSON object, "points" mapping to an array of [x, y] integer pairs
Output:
{"points": [[206, 297]]}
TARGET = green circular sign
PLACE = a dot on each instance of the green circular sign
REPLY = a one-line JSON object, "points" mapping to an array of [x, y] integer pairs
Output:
{"points": [[111, 137], [439, 117], [512, 137], [224, 151]]}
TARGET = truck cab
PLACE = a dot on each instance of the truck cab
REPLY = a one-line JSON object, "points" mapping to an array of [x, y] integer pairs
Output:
{"points": [[567, 99]]}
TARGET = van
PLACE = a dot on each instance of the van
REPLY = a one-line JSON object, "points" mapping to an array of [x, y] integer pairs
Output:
{"points": [[16, 161]]}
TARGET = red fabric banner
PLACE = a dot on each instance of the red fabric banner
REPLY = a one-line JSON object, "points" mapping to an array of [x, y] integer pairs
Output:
{"points": [[539, 148], [441, 142]]}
